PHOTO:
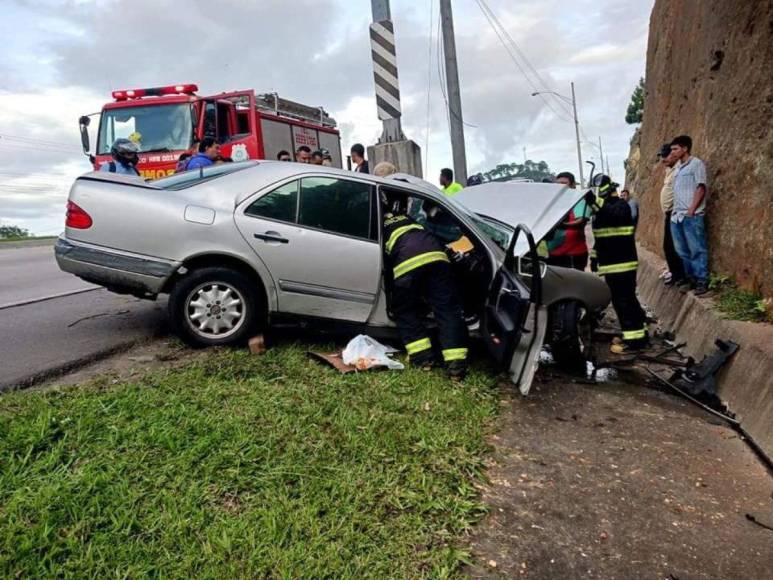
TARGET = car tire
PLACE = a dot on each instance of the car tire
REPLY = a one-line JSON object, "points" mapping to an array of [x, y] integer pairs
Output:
{"points": [[571, 332], [214, 306]]}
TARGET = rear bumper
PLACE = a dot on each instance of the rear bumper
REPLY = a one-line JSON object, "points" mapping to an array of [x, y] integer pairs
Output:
{"points": [[117, 271]]}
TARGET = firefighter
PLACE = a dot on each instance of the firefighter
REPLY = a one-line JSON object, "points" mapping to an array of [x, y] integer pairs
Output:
{"points": [[125, 158], [615, 258], [421, 272]]}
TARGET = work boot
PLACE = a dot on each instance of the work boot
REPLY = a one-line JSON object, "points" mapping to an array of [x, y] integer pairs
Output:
{"points": [[686, 285], [457, 370], [701, 288], [628, 348]]}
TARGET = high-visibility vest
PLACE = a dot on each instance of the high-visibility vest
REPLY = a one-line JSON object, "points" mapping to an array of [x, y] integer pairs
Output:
{"points": [[613, 232], [409, 246]]}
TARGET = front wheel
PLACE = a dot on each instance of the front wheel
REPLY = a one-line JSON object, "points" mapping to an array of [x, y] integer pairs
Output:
{"points": [[213, 306], [571, 331]]}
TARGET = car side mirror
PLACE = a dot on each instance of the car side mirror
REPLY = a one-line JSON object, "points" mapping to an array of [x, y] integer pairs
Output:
{"points": [[524, 267], [84, 123]]}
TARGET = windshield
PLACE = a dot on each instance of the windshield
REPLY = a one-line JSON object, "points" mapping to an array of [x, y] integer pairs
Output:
{"points": [[152, 127], [500, 233]]}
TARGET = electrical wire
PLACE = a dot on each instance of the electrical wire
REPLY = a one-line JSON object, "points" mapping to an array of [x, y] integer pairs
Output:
{"points": [[495, 25], [429, 86], [546, 87]]}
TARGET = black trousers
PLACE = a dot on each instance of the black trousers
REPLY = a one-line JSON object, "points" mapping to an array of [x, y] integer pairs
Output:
{"points": [[673, 260], [576, 262], [626, 304], [434, 285]]}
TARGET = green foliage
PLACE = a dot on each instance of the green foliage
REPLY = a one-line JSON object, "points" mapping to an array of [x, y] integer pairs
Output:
{"points": [[239, 466], [534, 170], [10, 232], [635, 112], [736, 303]]}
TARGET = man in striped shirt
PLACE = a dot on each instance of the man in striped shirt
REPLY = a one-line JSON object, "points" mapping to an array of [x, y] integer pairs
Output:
{"points": [[687, 222]]}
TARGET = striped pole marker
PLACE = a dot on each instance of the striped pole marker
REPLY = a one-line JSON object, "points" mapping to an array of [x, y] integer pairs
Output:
{"points": [[382, 48]]}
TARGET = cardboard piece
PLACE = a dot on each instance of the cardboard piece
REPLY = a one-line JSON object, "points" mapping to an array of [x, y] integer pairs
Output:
{"points": [[334, 360]]}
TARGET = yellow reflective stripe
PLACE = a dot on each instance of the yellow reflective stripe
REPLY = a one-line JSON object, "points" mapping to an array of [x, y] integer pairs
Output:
{"points": [[593, 253], [452, 354], [634, 334], [610, 232], [418, 261], [399, 232], [418, 346], [618, 268]]}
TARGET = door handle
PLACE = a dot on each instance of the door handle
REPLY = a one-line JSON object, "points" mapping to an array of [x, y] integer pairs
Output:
{"points": [[271, 237]]}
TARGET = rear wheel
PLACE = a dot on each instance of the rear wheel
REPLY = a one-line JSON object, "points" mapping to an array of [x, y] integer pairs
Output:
{"points": [[213, 306], [570, 335]]}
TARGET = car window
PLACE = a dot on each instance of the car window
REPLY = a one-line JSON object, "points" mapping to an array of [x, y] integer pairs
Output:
{"points": [[336, 205], [280, 204], [195, 176]]}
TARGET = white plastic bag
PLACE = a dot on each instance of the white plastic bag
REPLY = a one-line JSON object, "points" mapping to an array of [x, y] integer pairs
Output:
{"points": [[365, 353]]}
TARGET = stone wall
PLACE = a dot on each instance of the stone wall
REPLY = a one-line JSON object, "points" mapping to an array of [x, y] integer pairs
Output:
{"points": [[710, 75]]}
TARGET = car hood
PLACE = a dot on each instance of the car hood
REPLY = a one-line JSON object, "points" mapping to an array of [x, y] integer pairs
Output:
{"points": [[539, 206]]}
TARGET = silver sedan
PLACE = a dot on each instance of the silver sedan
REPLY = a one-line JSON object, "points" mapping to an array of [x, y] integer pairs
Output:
{"points": [[239, 246]]}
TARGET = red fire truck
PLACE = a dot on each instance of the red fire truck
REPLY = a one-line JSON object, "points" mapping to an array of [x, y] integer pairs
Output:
{"points": [[168, 121]]}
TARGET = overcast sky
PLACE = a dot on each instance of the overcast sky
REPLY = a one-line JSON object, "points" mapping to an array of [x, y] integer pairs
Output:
{"points": [[63, 58]]}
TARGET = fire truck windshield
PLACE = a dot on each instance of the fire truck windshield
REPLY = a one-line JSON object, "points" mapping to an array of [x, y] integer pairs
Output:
{"points": [[152, 127]]}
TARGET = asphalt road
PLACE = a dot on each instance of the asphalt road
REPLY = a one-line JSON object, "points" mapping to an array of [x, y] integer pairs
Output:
{"points": [[51, 321]]}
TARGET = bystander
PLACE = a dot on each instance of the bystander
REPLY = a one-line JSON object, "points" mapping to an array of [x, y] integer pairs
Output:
{"points": [[675, 274]]}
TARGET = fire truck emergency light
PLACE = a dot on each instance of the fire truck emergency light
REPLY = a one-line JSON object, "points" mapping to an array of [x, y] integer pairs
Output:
{"points": [[188, 89]]}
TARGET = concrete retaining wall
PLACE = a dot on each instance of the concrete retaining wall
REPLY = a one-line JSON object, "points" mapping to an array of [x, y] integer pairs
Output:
{"points": [[746, 382]]}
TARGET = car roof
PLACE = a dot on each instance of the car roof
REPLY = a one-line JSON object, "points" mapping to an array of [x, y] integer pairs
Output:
{"points": [[274, 171]]}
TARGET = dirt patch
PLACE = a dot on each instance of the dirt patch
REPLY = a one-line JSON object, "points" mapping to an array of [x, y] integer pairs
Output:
{"points": [[619, 481]]}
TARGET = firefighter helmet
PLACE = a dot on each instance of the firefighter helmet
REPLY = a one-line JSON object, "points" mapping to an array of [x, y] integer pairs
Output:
{"points": [[125, 151], [604, 185]]}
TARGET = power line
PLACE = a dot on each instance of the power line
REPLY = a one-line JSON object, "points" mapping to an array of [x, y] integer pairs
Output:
{"points": [[429, 87], [495, 26], [441, 74]]}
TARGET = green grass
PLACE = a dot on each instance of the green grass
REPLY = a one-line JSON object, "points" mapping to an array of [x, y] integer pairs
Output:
{"points": [[26, 238], [240, 466], [736, 303]]}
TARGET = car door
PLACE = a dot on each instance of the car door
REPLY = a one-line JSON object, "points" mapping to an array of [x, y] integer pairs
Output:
{"points": [[318, 237], [514, 323]]}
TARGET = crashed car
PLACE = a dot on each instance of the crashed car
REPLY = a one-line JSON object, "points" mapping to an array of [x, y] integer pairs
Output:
{"points": [[240, 246]]}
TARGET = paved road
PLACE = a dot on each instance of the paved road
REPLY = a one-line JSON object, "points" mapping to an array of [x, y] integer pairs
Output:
{"points": [[29, 273], [40, 335]]}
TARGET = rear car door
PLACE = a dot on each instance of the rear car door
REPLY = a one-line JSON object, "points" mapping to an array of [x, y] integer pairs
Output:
{"points": [[318, 236], [514, 323]]}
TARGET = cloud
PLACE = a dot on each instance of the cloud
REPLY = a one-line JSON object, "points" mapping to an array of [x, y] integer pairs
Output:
{"points": [[64, 57]]}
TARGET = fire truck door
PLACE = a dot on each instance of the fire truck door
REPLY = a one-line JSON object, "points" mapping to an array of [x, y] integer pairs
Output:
{"points": [[230, 118]]}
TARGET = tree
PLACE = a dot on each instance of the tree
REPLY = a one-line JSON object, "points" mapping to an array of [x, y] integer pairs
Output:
{"points": [[534, 170], [635, 112], [8, 232]]}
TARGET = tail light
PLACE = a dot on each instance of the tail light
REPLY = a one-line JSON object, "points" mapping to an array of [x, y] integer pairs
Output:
{"points": [[77, 218]]}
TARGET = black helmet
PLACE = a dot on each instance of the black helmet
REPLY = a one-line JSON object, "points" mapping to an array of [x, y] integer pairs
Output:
{"points": [[604, 185], [125, 151]]}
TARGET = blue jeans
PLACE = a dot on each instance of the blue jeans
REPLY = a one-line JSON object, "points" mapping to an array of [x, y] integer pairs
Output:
{"points": [[690, 243]]}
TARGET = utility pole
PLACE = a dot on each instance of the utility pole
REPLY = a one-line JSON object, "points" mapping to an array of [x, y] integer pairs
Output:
{"points": [[608, 171], [524, 155], [393, 146], [577, 134], [454, 93], [601, 156]]}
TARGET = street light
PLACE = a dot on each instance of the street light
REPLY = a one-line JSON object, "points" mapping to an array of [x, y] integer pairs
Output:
{"points": [[573, 102]]}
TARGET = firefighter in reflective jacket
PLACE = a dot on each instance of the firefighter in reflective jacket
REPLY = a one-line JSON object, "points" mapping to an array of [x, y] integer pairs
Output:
{"points": [[422, 273], [614, 257]]}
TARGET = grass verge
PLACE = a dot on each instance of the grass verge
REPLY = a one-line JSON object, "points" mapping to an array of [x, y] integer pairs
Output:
{"points": [[738, 304], [243, 466]]}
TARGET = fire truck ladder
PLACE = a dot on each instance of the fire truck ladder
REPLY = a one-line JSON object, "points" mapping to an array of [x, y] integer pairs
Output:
{"points": [[273, 103]]}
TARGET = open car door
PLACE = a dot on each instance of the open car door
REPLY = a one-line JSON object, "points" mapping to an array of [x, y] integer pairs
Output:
{"points": [[514, 323]]}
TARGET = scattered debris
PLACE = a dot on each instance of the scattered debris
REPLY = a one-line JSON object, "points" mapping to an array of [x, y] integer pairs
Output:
{"points": [[119, 313], [334, 360], [599, 374], [754, 520], [257, 345], [700, 380], [366, 353], [546, 357]]}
